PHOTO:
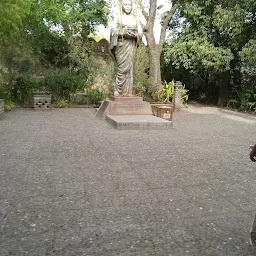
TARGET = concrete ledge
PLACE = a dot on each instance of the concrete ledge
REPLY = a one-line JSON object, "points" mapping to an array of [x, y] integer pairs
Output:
{"points": [[138, 122]]}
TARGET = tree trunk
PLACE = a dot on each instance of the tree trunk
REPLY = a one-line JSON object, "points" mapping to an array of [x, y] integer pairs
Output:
{"points": [[155, 48], [154, 69], [222, 99], [154, 61]]}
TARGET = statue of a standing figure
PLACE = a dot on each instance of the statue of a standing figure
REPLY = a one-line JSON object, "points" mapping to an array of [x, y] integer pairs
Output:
{"points": [[124, 39]]}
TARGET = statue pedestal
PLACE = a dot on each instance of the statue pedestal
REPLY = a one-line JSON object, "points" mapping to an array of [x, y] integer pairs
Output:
{"points": [[138, 122], [131, 113], [127, 99], [124, 106]]}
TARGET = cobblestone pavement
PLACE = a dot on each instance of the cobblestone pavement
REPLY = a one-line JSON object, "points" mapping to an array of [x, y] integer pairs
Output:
{"points": [[72, 185]]}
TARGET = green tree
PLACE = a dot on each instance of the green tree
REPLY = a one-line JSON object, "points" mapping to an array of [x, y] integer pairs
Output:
{"points": [[207, 40], [61, 26], [47, 34], [155, 48], [12, 13]]}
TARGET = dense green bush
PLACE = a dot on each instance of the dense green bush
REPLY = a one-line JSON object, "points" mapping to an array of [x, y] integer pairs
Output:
{"points": [[95, 96], [3, 92], [167, 93], [244, 100], [62, 104], [143, 86], [63, 84], [24, 87], [9, 105]]}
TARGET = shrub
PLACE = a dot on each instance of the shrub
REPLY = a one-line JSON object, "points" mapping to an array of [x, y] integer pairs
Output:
{"points": [[244, 100], [3, 92], [143, 86], [9, 105], [62, 104], [184, 95], [167, 93], [95, 96], [24, 87], [62, 83]]}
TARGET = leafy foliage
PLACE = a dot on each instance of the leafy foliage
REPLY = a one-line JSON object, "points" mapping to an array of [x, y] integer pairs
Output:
{"points": [[143, 86], [95, 96], [197, 54], [12, 13], [9, 105], [24, 88], [248, 53], [212, 47], [245, 100], [63, 83], [62, 104], [52, 36], [184, 95], [166, 94]]}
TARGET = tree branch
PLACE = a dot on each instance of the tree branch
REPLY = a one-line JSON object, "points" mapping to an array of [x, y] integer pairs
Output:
{"points": [[152, 12], [142, 9], [166, 21]]}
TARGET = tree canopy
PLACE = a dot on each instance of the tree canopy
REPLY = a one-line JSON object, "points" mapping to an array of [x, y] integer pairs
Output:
{"points": [[12, 13], [210, 44], [214, 41]]}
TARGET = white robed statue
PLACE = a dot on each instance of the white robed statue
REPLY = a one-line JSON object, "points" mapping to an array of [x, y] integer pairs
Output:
{"points": [[124, 39]]}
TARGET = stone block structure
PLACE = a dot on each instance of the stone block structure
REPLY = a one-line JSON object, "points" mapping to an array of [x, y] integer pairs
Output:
{"points": [[42, 102], [1, 107], [177, 95]]}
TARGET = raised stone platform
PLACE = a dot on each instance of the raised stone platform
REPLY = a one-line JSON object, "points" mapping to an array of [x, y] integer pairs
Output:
{"points": [[127, 99], [124, 106], [137, 122]]}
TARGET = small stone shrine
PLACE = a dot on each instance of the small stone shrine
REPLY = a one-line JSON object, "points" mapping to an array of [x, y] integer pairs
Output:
{"points": [[42, 102]]}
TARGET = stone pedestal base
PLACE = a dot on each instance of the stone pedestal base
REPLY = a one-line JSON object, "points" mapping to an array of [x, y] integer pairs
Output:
{"points": [[124, 106], [138, 122], [131, 113], [127, 99]]}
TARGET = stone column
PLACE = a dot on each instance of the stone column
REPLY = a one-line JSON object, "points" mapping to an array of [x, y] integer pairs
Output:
{"points": [[1, 106], [177, 95]]}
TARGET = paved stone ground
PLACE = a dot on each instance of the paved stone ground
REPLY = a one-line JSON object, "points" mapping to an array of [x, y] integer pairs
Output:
{"points": [[72, 185]]}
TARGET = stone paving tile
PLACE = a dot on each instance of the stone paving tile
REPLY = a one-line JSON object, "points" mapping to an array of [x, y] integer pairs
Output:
{"points": [[20, 224], [172, 193], [29, 245], [70, 184], [213, 247], [121, 198], [76, 201], [115, 183]]}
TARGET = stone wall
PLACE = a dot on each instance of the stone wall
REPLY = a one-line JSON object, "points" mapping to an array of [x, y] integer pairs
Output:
{"points": [[101, 48]]}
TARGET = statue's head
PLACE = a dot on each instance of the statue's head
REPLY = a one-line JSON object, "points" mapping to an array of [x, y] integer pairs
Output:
{"points": [[126, 6]]}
